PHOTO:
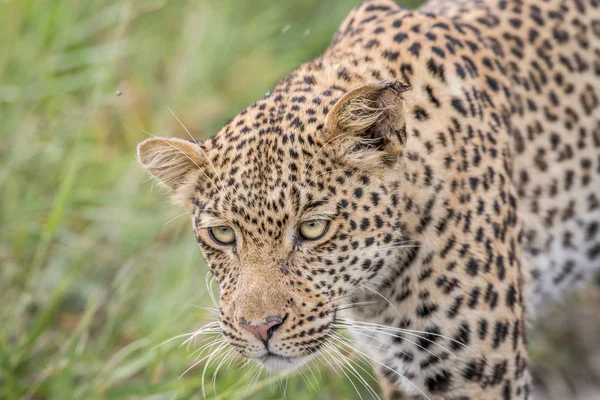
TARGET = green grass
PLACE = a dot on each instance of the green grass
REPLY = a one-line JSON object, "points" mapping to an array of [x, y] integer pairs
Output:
{"points": [[93, 276]]}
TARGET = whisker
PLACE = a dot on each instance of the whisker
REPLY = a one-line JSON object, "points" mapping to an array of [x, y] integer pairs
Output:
{"points": [[181, 215], [231, 360], [198, 144], [321, 355], [174, 218], [212, 310], [310, 369], [354, 372], [407, 246], [329, 171], [387, 345], [254, 380], [306, 380], [199, 361], [244, 378], [208, 281], [205, 343], [171, 339], [344, 371], [215, 335], [245, 363], [212, 342], [337, 338], [212, 356], [343, 307], [413, 331], [228, 355], [319, 151], [209, 328], [285, 388], [408, 340], [203, 153], [340, 298]]}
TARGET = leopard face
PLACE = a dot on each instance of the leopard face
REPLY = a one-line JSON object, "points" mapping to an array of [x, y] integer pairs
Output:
{"points": [[292, 221]]}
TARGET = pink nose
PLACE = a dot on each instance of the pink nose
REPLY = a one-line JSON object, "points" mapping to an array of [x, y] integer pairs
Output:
{"points": [[263, 331]]}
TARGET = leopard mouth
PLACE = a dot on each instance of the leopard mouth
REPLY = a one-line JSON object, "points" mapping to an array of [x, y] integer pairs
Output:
{"points": [[276, 362]]}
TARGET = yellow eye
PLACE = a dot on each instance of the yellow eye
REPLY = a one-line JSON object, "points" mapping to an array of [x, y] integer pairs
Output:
{"points": [[313, 229], [222, 235]]}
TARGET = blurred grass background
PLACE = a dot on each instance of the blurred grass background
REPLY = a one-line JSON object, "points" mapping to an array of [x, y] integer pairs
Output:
{"points": [[96, 269]]}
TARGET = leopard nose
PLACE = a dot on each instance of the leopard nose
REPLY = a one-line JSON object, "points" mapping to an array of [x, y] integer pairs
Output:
{"points": [[264, 330]]}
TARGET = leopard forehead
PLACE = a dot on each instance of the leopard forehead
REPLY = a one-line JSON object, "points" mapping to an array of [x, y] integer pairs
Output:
{"points": [[277, 160], [269, 170]]}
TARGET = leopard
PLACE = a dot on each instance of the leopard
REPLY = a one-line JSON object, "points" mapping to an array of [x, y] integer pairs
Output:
{"points": [[425, 187]]}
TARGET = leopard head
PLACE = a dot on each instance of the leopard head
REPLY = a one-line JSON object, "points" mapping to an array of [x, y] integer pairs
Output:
{"points": [[293, 205]]}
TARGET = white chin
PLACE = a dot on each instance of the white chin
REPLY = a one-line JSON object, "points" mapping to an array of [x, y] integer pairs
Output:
{"points": [[279, 363]]}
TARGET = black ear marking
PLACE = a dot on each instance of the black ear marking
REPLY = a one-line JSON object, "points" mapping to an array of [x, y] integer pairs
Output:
{"points": [[396, 85]]}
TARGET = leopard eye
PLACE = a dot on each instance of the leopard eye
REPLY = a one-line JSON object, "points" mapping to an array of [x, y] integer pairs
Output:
{"points": [[313, 229], [222, 235]]}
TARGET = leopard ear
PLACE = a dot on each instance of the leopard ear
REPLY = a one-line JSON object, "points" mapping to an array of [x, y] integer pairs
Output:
{"points": [[174, 162], [368, 123]]}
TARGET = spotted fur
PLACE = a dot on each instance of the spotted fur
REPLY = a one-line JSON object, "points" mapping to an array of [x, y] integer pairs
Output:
{"points": [[455, 152]]}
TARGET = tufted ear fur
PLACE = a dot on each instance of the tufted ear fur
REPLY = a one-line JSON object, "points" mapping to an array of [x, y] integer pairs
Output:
{"points": [[172, 161], [368, 123]]}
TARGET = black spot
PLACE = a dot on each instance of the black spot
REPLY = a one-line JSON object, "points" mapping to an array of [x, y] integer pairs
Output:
{"points": [[472, 267], [366, 264], [500, 267], [420, 113], [474, 300], [462, 338], [415, 48], [425, 309], [440, 382], [472, 372], [482, 329], [400, 37], [374, 7], [364, 224], [458, 106], [594, 252], [511, 296], [372, 43], [455, 307], [492, 83], [427, 339], [515, 22], [439, 52], [500, 333], [391, 55], [506, 391]]}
